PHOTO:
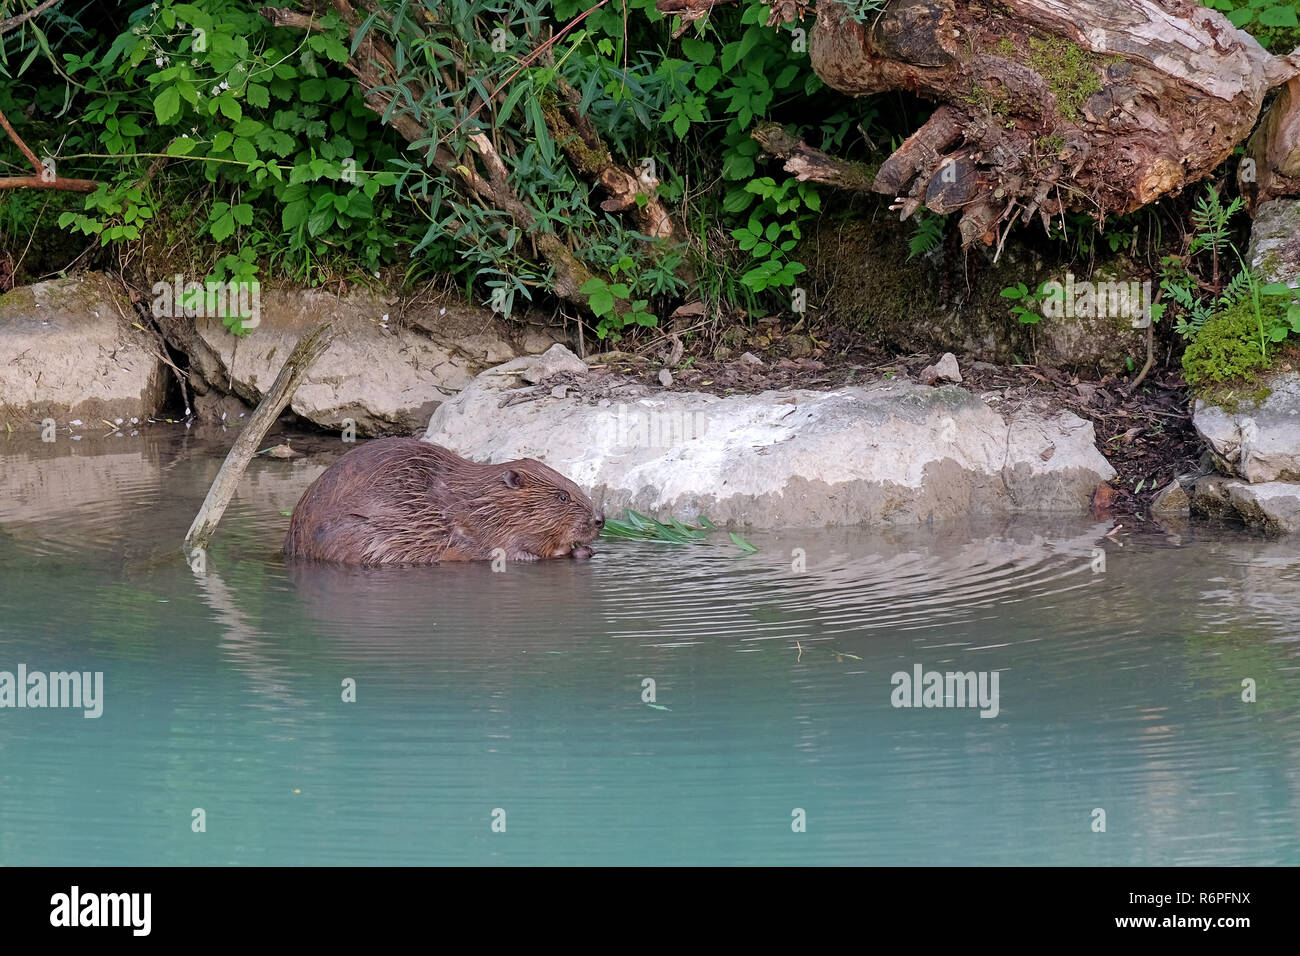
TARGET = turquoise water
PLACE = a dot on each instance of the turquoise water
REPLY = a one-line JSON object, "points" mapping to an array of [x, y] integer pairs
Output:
{"points": [[1118, 690]]}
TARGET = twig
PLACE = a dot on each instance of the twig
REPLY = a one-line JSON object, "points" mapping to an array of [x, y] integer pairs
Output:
{"points": [[42, 179], [7, 25]]}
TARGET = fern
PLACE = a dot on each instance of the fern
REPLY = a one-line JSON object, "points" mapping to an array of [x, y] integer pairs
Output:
{"points": [[1238, 287], [1210, 219], [928, 234]]}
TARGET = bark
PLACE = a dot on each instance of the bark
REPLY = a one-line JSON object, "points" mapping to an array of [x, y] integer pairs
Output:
{"points": [[805, 162], [1271, 168], [12, 23], [1095, 105]]}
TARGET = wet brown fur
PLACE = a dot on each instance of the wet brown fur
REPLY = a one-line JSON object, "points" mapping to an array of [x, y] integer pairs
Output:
{"points": [[406, 501]]}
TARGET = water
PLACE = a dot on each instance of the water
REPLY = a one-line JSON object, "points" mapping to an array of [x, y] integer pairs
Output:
{"points": [[1119, 690]]}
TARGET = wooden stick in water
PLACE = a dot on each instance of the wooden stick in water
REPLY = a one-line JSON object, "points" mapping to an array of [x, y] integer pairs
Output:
{"points": [[296, 366]]}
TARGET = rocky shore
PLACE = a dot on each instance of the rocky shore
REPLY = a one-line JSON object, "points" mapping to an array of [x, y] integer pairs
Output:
{"points": [[753, 441]]}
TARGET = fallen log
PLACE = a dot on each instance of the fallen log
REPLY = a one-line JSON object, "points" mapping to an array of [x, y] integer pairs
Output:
{"points": [[1271, 167], [300, 360], [1100, 106]]}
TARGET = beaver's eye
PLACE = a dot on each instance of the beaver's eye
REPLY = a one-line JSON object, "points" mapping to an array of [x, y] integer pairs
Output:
{"points": [[564, 496]]}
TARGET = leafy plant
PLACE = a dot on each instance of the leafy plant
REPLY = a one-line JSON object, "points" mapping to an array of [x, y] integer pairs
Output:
{"points": [[928, 233], [1030, 312]]}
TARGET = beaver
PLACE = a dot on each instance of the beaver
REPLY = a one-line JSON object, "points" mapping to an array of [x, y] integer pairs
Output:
{"points": [[407, 501]]}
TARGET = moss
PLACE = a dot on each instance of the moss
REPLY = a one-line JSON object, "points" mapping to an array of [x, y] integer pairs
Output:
{"points": [[1072, 73], [20, 299], [1223, 362], [990, 102], [1051, 144], [1005, 48], [861, 278], [590, 160]]}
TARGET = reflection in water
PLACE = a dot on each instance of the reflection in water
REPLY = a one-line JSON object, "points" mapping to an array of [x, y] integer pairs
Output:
{"points": [[656, 703]]}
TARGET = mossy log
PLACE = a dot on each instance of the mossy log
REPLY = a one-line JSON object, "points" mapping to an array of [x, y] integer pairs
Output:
{"points": [[1100, 106], [1094, 105]]}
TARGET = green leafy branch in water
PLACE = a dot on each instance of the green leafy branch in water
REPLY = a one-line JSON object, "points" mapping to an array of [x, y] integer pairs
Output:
{"points": [[639, 527]]}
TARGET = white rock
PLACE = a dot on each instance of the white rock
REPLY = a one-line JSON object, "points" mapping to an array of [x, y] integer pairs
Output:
{"points": [[896, 452], [945, 370], [386, 380], [1257, 443]]}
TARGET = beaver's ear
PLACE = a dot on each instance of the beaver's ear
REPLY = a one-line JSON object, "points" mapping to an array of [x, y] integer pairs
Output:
{"points": [[512, 478]]}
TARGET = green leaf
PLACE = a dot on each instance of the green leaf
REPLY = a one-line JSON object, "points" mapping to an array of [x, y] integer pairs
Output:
{"points": [[295, 214], [741, 543], [1279, 16], [168, 105], [181, 146], [699, 51], [601, 302], [312, 91], [707, 78], [257, 95], [737, 200], [320, 220], [223, 227]]}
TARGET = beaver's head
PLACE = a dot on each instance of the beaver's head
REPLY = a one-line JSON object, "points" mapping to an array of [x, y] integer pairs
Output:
{"points": [[536, 510]]}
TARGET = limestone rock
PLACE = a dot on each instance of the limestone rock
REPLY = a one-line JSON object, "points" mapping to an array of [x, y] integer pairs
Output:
{"points": [[1258, 443], [68, 353], [534, 369], [945, 370], [895, 452], [386, 377], [1274, 250], [1171, 502], [1272, 506]]}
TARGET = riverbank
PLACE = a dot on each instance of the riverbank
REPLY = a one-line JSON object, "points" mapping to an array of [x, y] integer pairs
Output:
{"points": [[398, 361]]}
